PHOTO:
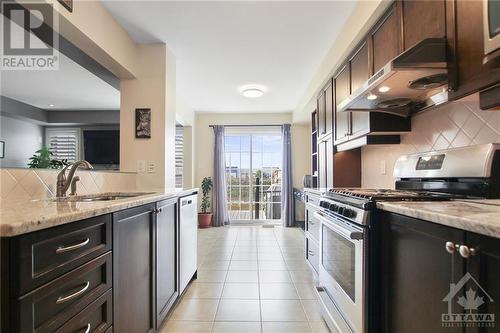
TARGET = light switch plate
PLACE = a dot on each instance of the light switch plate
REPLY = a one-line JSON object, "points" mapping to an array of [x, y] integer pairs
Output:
{"points": [[151, 166], [141, 166]]}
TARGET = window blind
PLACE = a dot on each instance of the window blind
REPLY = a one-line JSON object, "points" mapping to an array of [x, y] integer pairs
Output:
{"points": [[179, 159], [63, 143]]}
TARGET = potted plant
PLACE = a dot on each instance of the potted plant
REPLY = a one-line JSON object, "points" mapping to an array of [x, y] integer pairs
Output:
{"points": [[205, 217], [42, 159]]}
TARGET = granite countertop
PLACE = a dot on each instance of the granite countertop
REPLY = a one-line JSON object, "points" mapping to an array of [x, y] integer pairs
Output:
{"points": [[479, 216], [20, 217]]}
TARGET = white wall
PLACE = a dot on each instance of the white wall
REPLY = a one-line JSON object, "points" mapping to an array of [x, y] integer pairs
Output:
{"points": [[184, 113], [147, 74], [204, 141], [154, 88], [22, 139], [456, 124]]}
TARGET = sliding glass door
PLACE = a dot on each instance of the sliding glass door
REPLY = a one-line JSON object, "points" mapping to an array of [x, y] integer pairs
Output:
{"points": [[253, 174]]}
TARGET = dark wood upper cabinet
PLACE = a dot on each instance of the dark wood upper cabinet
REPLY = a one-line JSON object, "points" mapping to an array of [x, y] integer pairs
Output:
{"points": [[329, 107], [342, 91], [324, 107], [464, 23], [360, 72], [321, 114], [423, 19], [360, 66], [386, 37]]}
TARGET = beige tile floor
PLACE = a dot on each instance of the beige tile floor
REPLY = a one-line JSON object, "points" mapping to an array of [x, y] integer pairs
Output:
{"points": [[250, 279]]}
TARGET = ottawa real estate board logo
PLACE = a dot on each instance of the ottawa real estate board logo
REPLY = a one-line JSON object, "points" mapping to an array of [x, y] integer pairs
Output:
{"points": [[473, 299], [29, 36]]}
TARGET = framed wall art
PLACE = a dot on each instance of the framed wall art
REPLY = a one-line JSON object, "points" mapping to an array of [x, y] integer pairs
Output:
{"points": [[68, 4], [143, 123]]}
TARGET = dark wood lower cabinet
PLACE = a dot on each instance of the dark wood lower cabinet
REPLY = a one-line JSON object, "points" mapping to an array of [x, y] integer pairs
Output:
{"points": [[116, 272], [167, 285], [46, 308], [484, 266], [134, 269], [423, 282], [417, 272], [96, 318]]}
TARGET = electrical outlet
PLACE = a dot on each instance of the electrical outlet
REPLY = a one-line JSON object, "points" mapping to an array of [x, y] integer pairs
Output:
{"points": [[383, 170], [141, 166], [151, 166]]}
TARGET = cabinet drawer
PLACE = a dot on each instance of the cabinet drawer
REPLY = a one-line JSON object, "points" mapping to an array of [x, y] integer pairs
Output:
{"points": [[312, 223], [95, 318], [48, 307], [47, 254], [312, 253]]}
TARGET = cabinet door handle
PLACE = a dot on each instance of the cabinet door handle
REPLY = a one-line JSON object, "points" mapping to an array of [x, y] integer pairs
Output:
{"points": [[466, 251], [310, 252], [311, 223], [87, 328], [62, 249], [63, 299], [451, 247]]}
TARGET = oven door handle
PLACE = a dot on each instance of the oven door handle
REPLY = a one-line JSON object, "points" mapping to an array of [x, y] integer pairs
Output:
{"points": [[343, 230]]}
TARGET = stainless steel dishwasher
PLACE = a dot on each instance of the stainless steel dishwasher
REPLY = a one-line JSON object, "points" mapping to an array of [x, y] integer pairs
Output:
{"points": [[188, 239]]}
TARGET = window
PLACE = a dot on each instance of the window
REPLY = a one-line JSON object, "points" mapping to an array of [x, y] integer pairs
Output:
{"points": [[253, 174], [179, 159], [64, 143]]}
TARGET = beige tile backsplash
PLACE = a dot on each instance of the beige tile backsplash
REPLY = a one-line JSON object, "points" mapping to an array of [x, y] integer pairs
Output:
{"points": [[456, 124], [26, 184]]}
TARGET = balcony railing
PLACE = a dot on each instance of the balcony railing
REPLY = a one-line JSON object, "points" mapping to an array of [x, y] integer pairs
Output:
{"points": [[266, 206]]}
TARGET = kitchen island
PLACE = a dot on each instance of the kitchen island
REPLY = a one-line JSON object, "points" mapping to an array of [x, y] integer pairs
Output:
{"points": [[91, 265]]}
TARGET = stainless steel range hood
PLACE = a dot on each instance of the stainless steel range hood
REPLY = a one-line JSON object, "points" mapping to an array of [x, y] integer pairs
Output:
{"points": [[413, 81]]}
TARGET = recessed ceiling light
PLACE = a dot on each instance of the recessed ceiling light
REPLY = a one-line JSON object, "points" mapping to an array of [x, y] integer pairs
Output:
{"points": [[384, 89], [371, 97], [252, 92], [51, 105]]}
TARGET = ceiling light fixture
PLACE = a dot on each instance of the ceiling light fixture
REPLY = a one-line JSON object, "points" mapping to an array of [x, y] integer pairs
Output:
{"points": [[51, 105], [252, 92], [384, 89], [371, 97]]}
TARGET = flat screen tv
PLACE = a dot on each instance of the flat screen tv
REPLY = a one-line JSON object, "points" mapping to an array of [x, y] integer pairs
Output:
{"points": [[102, 147]]}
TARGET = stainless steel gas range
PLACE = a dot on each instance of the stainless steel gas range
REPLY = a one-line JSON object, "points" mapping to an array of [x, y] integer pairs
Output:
{"points": [[348, 276]]}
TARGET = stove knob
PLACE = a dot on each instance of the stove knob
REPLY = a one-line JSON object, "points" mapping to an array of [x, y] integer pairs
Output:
{"points": [[326, 205], [350, 213], [341, 210], [322, 203], [354, 214]]}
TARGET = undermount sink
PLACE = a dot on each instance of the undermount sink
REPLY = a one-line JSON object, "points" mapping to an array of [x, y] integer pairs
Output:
{"points": [[100, 197]]}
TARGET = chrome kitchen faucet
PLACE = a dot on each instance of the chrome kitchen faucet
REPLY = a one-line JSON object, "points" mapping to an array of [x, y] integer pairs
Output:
{"points": [[63, 183]]}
